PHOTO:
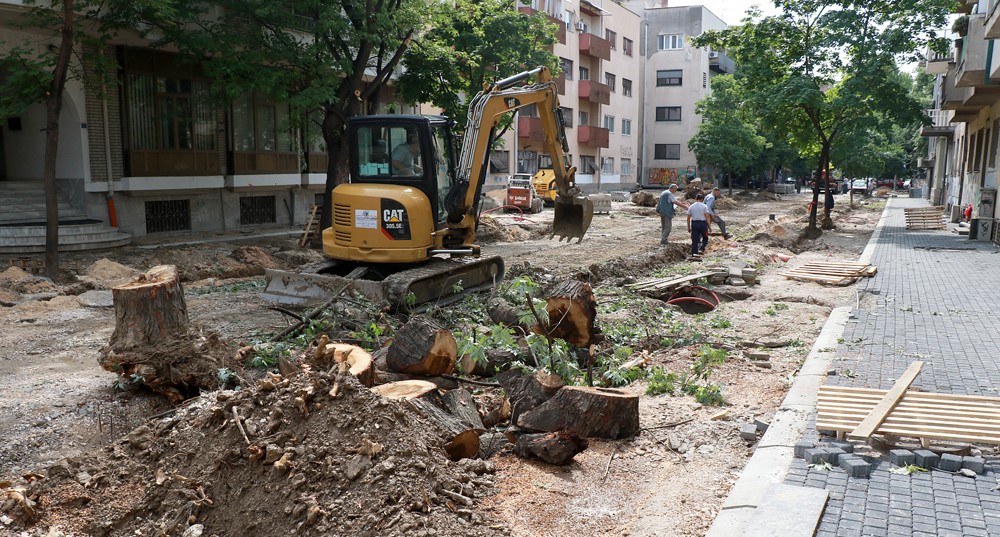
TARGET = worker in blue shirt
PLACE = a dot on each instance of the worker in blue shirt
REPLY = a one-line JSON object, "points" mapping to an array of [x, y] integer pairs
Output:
{"points": [[710, 202]]}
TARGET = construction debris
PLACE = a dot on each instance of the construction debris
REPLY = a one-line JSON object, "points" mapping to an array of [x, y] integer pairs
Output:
{"points": [[831, 273], [923, 218]]}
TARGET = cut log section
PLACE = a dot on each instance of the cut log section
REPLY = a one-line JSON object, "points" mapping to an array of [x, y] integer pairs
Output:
{"points": [[405, 389], [590, 412], [386, 377], [572, 311], [359, 359], [153, 340], [557, 448], [496, 360], [422, 347], [526, 391], [461, 442], [461, 405]]}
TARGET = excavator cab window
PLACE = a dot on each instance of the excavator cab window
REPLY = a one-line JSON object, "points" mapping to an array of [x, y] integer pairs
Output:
{"points": [[443, 151], [389, 152]]}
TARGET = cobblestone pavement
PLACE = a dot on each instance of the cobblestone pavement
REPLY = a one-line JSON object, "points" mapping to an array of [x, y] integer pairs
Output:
{"points": [[937, 299]]}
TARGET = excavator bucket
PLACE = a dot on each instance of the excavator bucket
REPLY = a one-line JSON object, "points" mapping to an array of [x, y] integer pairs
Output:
{"points": [[572, 217]]}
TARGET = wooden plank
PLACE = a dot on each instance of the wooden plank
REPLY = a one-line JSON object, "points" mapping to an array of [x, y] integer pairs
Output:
{"points": [[882, 409], [667, 282], [916, 395]]}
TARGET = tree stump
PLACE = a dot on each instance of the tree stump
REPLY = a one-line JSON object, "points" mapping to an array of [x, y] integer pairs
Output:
{"points": [[153, 342], [527, 391], [387, 377], [405, 389], [360, 361], [590, 412], [496, 360], [461, 405], [422, 347], [461, 442], [572, 311], [557, 448]]}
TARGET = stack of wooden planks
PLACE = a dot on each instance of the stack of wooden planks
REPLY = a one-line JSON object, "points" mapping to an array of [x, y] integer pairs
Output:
{"points": [[924, 217], [312, 226], [831, 273], [661, 286]]}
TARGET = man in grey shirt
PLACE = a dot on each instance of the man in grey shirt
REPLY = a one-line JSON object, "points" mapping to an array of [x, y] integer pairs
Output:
{"points": [[666, 209], [710, 203], [699, 217]]}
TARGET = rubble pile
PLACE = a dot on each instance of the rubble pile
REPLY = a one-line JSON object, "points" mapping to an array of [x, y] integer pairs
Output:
{"points": [[278, 458]]}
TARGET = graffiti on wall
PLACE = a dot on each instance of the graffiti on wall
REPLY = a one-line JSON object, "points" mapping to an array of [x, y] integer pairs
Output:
{"points": [[681, 176]]}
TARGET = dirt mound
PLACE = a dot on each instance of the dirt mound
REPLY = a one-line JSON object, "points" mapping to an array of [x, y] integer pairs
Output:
{"points": [[493, 230], [278, 459], [13, 274], [647, 263], [16, 280], [108, 273], [726, 203], [254, 257], [645, 198], [192, 263]]}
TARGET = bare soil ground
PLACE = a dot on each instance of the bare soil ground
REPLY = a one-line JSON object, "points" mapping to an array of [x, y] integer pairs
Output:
{"points": [[56, 402]]}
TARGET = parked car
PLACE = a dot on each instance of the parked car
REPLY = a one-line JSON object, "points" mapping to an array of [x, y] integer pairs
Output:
{"points": [[860, 185]]}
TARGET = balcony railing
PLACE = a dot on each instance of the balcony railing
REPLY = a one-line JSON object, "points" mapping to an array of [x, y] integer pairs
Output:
{"points": [[972, 62], [592, 136], [598, 47], [595, 92], [530, 129], [937, 62], [940, 123]]}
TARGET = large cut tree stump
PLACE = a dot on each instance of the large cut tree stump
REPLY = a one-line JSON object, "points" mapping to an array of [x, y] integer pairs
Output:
{"points": [[422, 347], [597, 412], [572, 311], [557, 448], [461, 405], [153, 342], [528, 390], [405, 389], [495, 361], [328, 354], [461, 441]]}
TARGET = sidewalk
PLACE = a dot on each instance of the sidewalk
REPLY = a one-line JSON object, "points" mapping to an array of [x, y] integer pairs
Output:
{"points": [[937, 299]]}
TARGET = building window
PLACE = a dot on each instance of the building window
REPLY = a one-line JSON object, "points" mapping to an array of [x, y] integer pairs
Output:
{"points": [[668, 113], [609, 79], [169, 113], [626, 127], [667, 151], [260, 125], [670, 42], [627, 46], [670, 77], [568, 19], [587, 165], [567, 68], [609, 123], [168, 215], [256, 210], [500, 161], [626, 167], [608, 165], [527, 161], [567, 114], [584, 118], [626, 87], [584, 73], [611, 37]]}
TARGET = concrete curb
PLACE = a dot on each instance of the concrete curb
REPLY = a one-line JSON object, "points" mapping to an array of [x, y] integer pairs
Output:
{"points": [[775, 451], [167, 243], [773, 456]]}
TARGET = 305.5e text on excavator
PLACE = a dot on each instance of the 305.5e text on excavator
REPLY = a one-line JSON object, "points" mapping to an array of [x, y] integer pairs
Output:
{"points": [[404, 228]]}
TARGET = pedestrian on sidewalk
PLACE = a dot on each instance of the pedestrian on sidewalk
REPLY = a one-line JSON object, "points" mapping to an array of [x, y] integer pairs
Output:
{"points": [[710, 203], [699, 218], [666, 209]]}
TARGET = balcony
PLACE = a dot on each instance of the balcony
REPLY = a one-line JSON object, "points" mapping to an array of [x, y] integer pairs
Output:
{"points": [[529, 129], [954, 99], [937, 63], [592, 136], [598, 47], [595, 92], [972, 58], [923, 162], [560, 25], [720, 63], [983, 96], [560, 83], [940, 123], [993, 22]]}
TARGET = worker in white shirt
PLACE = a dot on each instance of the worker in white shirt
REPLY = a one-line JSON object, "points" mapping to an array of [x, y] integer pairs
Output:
{"points": [[699, 218]]}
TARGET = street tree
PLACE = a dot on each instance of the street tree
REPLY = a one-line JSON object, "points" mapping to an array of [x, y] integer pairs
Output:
{"points": [[820, 67], [74, 34], [329, 59], [727, 138], [471, 43]]}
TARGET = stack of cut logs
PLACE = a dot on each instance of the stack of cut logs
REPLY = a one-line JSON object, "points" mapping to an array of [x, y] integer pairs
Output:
{"points": [[549, 421]]}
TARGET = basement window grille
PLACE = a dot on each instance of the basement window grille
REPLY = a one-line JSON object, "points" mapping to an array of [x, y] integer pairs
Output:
{"points": [[168, 215], [256, 210]]}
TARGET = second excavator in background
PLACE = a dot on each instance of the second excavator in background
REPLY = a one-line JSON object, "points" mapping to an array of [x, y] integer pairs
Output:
{"points": [[404, 227]]}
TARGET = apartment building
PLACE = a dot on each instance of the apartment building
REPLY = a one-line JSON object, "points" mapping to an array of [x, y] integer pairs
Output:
{"points": [[600, 91], [964, 136]]}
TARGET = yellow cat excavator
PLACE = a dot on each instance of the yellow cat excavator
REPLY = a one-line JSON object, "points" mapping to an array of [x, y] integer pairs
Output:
{"points": [[404, 228]]}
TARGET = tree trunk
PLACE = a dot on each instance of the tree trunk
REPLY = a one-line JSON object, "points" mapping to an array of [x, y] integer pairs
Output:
{"points": [[422, 347], [53, 108], [360, 361], [153, 342], [600, 412], [527, 391], [461, 405], [501, 312], [387, 377], [572, 312], [461, 441], [496, 361], [405, 389], [557, 448]]}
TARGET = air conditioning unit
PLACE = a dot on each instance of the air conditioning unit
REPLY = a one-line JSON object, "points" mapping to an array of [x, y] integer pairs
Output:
{"points": [[713, 54], [581, 26]]}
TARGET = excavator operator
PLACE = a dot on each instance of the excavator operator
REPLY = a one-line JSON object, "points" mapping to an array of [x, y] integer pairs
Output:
{"points": [[404, 154]]}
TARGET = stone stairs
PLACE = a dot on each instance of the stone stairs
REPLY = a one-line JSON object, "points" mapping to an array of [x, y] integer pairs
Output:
{"points": [[22, 223]]}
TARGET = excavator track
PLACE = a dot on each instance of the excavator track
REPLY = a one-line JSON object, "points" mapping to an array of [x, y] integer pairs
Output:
{"points": [[436, 283]]}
